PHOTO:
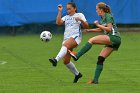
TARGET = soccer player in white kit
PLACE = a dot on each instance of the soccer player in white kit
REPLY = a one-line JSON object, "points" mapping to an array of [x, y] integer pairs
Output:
{"points": [[72, 36]]}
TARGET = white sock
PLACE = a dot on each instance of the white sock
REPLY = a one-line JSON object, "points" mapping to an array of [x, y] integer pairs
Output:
{"points": [[72, 68], [61, 53]]}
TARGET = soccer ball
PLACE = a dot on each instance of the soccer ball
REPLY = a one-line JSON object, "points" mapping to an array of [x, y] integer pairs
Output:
{"points": [[45, 36]]}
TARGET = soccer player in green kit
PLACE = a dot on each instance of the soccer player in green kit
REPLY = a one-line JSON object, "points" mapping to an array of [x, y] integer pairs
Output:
{"points": [[111, 39]]}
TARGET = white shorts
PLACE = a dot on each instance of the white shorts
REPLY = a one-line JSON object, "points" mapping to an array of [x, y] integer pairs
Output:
{"points": [[76, 38]]}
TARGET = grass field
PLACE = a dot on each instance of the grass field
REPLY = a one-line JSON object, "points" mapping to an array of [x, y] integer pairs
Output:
{"points": [[24, 67]]}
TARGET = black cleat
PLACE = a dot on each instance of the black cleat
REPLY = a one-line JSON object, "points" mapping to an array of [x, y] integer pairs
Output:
{"points": [[73, 55], [77, 77], [53, 61]]}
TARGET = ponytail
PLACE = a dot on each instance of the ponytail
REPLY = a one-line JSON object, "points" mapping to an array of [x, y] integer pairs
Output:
{"points": [[104, 7], [107, 9]]}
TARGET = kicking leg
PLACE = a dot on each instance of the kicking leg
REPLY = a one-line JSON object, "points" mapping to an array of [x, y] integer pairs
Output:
{"points": [[100, 39]]}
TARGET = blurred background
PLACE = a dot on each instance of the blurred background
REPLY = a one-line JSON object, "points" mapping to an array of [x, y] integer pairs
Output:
{"points": [[34, 16]]}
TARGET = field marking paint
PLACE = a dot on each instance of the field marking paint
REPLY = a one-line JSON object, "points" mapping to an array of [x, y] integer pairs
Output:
{"points": [[3, 62]]}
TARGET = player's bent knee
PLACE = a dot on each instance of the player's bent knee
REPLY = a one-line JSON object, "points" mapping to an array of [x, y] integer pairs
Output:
{"points": [[67, 46], [66, 62], [91, 41], [100, 60]]}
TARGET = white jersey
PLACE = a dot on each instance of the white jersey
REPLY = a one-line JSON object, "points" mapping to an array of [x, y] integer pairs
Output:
{"points": [[72, 27]]}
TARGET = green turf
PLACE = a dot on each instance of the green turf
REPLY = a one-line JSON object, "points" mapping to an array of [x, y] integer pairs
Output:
{"points": [[28, 71]]}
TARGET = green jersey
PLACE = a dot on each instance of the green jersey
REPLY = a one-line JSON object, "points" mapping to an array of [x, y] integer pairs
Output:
{"points": [[108, 18]]}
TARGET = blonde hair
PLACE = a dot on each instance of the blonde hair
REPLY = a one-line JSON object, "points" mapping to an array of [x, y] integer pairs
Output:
{"points": [[104, 7]]}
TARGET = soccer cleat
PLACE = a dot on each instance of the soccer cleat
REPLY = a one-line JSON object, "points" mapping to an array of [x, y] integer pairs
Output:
{"points": [[73, 55], [77, 77], [92, 82], [53, 61]]}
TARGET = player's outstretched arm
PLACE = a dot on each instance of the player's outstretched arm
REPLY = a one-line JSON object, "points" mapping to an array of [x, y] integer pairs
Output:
{"points": [[93, 30]]}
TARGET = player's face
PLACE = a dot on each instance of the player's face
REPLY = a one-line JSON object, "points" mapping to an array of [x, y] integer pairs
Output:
{"points": [[70, 10], [99, 11]]}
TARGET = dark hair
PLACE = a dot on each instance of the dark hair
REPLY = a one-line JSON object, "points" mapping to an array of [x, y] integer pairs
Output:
{"points": [[104, 7], [73, 5]]}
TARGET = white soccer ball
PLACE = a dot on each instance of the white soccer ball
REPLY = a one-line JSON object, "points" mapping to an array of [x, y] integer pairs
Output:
{"points": [[45, 36]]}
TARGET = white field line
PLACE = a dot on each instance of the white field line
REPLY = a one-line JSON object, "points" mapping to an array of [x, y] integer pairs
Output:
{"points": [[2, 62]]}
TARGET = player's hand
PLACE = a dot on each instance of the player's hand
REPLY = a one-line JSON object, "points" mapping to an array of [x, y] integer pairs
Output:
{"points": [[60, 7], [78, 19], [96, 22], [86, 30]]}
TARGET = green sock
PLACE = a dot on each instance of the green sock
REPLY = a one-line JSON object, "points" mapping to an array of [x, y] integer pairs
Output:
{"points": [[98, 71], [84, 49]]}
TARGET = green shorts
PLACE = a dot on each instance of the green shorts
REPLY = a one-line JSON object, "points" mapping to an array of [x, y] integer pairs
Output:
{"points": [[116, 42]]}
